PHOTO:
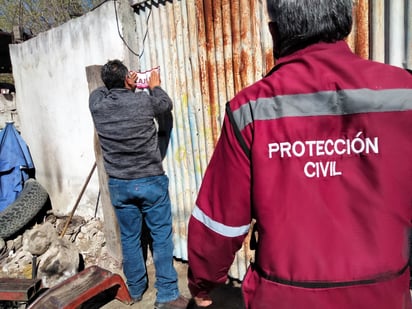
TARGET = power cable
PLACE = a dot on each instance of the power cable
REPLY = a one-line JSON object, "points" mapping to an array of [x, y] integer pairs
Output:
{"points": [[123, 39]]}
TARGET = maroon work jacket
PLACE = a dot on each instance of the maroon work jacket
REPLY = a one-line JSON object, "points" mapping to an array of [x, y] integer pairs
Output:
{"points": [[322, 161]]}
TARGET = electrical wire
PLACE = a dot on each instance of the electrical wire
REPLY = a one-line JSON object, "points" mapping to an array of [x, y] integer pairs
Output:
{"points": [[123, 39]]}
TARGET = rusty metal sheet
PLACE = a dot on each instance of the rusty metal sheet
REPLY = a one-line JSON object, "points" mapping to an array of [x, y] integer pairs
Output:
{"points": [[19, 289], [209, 50]]}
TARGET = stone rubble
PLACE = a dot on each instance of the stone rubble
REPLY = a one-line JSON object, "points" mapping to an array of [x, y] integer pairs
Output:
{"points": [[56, 258]]}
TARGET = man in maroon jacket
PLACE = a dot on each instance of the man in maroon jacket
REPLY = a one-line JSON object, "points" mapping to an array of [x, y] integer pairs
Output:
{"points": [[319, 153]]}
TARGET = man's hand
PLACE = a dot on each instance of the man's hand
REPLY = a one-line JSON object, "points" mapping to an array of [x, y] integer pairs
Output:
{"points": [[154, 79], [130, 82], [203, 302]]}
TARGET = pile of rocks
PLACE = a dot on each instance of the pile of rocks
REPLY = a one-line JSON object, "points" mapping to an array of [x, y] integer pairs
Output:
{"points": [[56, 255], [8, 109]]}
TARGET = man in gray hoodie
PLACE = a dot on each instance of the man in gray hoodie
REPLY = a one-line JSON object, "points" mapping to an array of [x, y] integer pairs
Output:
{"points": [[138, 186]]}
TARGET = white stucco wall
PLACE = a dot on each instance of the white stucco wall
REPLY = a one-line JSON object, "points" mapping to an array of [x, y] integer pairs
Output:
{"points": [[52, 101]]}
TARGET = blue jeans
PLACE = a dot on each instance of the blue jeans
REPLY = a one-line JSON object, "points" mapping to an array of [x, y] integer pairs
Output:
{"points": [[145, 199]]}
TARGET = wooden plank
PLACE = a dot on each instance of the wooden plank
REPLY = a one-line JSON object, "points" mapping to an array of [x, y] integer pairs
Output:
{"points": [[111, 227]]}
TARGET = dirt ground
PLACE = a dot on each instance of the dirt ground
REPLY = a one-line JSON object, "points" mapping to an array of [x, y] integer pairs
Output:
{"points": [[225, 297]]}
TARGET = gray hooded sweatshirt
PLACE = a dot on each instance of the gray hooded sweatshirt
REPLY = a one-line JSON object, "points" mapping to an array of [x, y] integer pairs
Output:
{"points": [[124, 121]]}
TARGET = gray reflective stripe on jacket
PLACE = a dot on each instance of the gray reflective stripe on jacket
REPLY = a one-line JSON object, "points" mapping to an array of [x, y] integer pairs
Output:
{"points": [[324, 103]]}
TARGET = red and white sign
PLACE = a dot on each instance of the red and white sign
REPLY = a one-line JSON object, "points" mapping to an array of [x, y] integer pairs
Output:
{"points": [[143, 78]]}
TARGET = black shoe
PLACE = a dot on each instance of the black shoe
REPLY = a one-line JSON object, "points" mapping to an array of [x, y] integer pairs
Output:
{"points": [[179, 303]]}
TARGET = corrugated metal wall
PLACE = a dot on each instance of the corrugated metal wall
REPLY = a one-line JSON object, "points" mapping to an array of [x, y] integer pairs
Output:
{"points": [[207, 51]]}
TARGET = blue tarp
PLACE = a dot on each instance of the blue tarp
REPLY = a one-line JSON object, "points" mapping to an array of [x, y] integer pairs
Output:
{"points": [[16, 165]]}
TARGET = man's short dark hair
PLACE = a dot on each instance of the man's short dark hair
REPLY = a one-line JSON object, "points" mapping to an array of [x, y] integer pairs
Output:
{"points": [[113, 74], [299, 23]]}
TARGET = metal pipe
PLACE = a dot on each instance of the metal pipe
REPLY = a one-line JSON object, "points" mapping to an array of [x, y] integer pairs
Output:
{"points": [[396, 32], [78, 200], [408, 9], [34, 267], [377, 45]]}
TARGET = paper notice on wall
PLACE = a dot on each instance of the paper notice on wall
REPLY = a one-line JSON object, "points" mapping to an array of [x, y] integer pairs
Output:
{"points": [[142, 81]]}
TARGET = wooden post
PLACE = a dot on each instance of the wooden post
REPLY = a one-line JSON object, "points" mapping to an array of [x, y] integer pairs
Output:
{"points": [[110, 228]]}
